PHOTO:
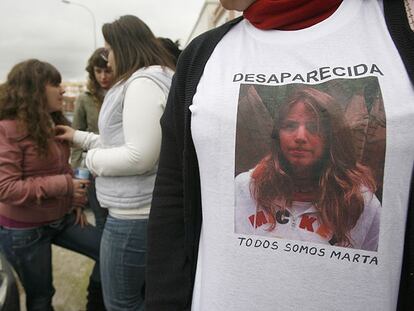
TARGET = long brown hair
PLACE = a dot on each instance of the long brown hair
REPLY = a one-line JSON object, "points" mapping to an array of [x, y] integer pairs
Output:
{"points": [[23, 98], [93, 86], [134, 46], [172, 47], [340, 178]]}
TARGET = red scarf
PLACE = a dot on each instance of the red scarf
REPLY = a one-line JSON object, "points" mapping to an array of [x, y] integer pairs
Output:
{"points": [[289, 14]]}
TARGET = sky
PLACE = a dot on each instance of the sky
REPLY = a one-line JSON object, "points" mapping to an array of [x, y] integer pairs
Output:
{"points": [[62, 34]]}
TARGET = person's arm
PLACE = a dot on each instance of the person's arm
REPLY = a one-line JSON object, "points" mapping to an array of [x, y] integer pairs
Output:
{"points": [[406, 292], [247, 217], [85, 140], [143, 107], [172, 250], [16, 190], [79, 123], [168, 270], [370, 242]]}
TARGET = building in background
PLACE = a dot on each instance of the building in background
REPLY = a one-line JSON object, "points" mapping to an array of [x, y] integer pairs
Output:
{"points": [[212, 14]]}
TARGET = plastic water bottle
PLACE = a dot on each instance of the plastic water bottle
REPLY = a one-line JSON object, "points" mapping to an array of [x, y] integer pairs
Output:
{"points": [[81, 173]]}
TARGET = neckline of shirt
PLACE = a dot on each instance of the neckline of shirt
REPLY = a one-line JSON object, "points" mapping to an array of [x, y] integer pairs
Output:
{"points": [[345, 13]]}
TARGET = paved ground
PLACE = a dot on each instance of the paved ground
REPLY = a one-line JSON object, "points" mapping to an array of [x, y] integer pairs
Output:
{"points": [[71, 275]]}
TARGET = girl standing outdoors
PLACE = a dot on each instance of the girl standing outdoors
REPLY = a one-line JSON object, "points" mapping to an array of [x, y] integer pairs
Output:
{"points": [[85, 118], [125, 154], [37, 190]]}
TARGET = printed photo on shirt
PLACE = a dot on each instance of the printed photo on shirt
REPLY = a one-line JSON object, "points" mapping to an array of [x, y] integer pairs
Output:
{"points": [[309, 162]]}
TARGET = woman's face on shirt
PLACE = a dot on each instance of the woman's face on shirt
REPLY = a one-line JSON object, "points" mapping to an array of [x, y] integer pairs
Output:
{"points": [[54, 97], [111, 57], [104, 76], [301, 139]]}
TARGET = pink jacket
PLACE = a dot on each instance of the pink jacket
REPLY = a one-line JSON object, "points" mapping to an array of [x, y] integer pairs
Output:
{"points": [[32, 189]]}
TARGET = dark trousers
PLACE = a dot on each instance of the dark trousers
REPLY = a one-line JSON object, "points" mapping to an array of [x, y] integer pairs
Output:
{"points": [[99, 212], [29, 252]]}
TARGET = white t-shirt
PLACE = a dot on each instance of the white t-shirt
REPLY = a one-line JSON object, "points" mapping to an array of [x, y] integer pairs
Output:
{"points": [[301, 221], [349, 55]]}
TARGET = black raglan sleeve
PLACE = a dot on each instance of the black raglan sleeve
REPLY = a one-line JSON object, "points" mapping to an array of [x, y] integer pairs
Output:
{"points": [[173, 232], [168, 282], [396, 17]]}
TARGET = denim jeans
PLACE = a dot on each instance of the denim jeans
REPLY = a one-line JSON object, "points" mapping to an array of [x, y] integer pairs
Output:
{"points": [[29, 251], [123, 252]]}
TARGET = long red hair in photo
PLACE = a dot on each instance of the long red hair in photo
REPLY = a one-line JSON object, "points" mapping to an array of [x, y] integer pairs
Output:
{"points": [[338, 177]]}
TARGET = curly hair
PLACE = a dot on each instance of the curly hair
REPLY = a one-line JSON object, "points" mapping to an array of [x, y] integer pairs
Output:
{"points": [[93, 86], [23, 98], [339, 177]]}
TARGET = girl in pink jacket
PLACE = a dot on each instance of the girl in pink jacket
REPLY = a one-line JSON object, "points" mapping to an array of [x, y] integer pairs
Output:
{"points": [[37, 190]]}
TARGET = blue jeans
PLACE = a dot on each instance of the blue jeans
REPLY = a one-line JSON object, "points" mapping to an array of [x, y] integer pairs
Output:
{"points": [[29, 251], [123, 252]]}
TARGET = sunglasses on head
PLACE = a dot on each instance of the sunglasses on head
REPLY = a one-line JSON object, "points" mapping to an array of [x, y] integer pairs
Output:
{"points": [[105, 54]]}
